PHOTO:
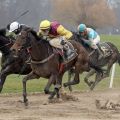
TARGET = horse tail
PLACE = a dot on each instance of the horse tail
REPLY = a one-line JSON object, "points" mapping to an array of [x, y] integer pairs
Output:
{"points": [[119, 58]]}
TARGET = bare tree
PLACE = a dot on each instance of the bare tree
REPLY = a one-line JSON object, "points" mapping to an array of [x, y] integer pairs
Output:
{"points": [[95, 13]]}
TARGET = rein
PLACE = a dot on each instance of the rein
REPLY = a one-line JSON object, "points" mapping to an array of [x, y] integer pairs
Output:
{"points": [[42, 61], [27, 46], [6, 44]]}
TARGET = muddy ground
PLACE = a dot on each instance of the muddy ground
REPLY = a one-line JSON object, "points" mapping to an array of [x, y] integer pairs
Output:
{"points": [[81, 106]]}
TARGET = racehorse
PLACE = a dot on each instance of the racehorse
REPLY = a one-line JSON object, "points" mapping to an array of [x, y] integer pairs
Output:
{"points": [[111, 55], [46, 62], [9, 64]]}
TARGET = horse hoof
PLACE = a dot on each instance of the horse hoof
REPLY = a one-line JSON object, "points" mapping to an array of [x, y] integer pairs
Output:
{"points": [[25, 100], [46, 91], [50, 97], [70, 88], [91, 83], [65, 85], [58, 95], [26, 103], [91, 88]]}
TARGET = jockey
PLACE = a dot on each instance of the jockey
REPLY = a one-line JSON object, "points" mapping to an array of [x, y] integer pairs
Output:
{"points": [[57, 35], [15, 28], [90, 37]]}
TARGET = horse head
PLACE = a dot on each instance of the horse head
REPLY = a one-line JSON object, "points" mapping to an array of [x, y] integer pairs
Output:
{"points": [[23, 41], [5, 43], [29, 40]]}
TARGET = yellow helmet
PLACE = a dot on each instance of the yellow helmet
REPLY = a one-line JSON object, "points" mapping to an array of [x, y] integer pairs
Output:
{"points": [[45, 24]]}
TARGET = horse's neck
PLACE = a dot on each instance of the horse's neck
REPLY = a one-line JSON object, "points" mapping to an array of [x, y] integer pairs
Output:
{"points": [[40, 50], [88, 49]]}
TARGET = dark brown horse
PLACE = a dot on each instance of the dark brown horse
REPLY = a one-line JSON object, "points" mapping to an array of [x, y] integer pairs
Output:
{"points": [[10, 64], [45, 63], [112, 56]]}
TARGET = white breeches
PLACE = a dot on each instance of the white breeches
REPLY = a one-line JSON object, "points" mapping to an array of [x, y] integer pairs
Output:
{"points": [[94, 42], [56, 42]]}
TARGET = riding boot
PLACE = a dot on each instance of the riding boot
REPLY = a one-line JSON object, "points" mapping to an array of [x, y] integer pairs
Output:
{"points": [[69, 53], [100, 53]]}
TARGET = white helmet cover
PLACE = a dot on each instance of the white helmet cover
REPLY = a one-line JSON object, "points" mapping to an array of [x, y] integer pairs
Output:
{"points": [[14, 26]]}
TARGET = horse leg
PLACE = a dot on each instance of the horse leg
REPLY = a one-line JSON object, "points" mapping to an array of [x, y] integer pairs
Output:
{"points": [[60, 83], [4, 73], [57, 86], [79, 68], [90, 73], [76, 79], [30, 76], [99, 77], [49, 83], [106, 74], [70, 75], [97, 80]]}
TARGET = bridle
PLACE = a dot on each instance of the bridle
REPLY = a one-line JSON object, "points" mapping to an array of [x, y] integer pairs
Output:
{"points": [[27, 45]]}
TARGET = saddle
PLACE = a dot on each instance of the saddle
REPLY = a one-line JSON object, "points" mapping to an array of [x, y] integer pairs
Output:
{"points": [[68, 53], [105, 48]]}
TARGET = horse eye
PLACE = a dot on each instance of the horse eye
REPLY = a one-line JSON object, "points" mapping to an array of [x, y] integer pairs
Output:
{"points": [[18, 44]]}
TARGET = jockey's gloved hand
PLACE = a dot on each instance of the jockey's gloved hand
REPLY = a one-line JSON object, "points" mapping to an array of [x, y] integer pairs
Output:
{"points": [[46, 38], [63, 42]]}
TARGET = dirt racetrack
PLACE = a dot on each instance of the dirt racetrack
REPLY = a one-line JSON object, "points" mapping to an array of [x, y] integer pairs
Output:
{"points": [[81, 108]]}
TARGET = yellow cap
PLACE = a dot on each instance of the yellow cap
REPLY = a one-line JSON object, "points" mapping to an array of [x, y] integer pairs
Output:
{"points": [[45, 24]]}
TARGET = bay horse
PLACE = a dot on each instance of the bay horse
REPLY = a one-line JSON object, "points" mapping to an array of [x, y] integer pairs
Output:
{"points": [[46, 63], [113, 57], [10, 64]]}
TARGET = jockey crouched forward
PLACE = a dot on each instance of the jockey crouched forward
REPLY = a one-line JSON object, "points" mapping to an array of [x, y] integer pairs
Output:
{"points": [[57, 37], [15, 29], [90, 37]]}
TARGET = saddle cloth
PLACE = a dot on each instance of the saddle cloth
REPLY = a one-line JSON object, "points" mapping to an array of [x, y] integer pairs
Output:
{"points": [[105, 48]]}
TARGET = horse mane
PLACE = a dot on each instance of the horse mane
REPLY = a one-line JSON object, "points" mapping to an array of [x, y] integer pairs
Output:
{"points": [[38, 38], [77, 38], [34, 33]]}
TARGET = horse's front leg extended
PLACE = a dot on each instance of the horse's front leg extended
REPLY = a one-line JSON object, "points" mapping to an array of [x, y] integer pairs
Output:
{"points": [[25, 79], [49, 83], [75, 81], [4, 73], [89, 74], [107, 73], [97, 80]]}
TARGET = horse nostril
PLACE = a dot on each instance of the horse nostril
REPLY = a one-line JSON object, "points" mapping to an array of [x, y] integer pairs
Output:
{"points": [[13, 50], [19, 49]]}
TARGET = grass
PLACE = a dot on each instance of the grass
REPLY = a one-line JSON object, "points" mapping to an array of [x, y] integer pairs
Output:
{"points": [[13, 83]]}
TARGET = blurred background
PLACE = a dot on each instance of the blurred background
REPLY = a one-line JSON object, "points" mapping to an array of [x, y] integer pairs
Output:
{"points": [[102, 15]]}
